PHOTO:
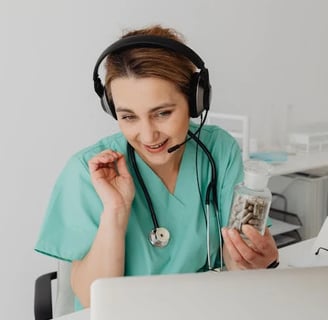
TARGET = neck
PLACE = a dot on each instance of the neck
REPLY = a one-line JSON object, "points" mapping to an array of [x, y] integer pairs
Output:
{"points": [[168, 172]]}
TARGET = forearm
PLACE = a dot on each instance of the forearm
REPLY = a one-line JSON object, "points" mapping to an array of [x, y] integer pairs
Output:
{"points": [[105, 259]]}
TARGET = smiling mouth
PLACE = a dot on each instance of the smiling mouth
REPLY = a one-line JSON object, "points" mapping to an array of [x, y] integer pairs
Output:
{"points": [[157, 146]]}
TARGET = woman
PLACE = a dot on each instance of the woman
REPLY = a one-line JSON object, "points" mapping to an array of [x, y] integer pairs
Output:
{"points": [[99, 216]]}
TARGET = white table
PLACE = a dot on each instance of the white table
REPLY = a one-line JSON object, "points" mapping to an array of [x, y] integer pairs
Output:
{"points": [[301, 162], [301, 255]]}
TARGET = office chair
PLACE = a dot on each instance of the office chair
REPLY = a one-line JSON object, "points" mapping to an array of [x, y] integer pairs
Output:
{"points": [[45, 307]]}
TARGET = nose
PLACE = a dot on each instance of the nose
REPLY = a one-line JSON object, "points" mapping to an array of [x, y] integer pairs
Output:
{"points": [[148, 132]]}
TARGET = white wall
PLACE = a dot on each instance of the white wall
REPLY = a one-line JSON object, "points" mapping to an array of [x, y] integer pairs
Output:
{"points": [[262, 55]]}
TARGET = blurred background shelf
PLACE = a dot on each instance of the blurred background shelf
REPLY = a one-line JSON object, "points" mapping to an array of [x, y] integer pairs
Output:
{"points": [[285, 225]]}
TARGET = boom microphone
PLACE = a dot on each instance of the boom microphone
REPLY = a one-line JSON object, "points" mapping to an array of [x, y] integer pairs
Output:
{"points": [[177, 146]]}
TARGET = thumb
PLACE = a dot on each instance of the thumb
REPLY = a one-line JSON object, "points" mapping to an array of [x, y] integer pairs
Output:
{"points": [[122, 167]]}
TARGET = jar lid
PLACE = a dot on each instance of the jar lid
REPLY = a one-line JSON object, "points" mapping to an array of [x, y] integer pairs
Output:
{"points": [[256, 174]]}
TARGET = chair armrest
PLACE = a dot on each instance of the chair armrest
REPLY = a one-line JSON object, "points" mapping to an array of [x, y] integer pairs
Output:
{"points": [[43, 296]]}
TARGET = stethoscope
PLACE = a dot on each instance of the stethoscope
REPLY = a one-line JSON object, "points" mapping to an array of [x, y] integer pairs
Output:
{"points": [[160, 236]]}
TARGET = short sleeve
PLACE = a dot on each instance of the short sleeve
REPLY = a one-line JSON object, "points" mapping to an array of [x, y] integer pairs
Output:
{"points": [[72, 216]]}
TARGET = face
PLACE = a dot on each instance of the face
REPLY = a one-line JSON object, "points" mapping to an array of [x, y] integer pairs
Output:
{"points": [[153, 116]]}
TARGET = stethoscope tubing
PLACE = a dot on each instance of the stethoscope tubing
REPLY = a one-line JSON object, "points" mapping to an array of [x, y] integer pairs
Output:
{"points": [[132, 157], [212, 188]]}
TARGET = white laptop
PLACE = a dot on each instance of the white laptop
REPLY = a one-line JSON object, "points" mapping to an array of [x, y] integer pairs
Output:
{"points": [[294, 293]]}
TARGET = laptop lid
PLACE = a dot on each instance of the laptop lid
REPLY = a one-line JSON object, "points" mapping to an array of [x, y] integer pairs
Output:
{"points": [[294, 293]]}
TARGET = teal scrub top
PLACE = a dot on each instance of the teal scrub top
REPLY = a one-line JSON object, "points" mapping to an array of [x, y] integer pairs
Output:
{"points": [[73, 215]]}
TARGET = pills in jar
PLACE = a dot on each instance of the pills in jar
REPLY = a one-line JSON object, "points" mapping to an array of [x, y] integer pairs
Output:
{"points": [[250, 210]]}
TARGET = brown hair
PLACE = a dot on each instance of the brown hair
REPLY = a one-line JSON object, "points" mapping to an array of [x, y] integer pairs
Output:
{"points": [[151, 62]]}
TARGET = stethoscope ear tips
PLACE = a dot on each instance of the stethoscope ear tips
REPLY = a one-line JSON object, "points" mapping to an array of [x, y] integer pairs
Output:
{"points": [[159, 237]]}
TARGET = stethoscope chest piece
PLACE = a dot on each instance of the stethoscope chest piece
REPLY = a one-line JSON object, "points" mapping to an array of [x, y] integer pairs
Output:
{"points": [[159, 237]]}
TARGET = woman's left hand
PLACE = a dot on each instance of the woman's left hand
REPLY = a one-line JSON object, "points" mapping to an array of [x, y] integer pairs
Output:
{"points": [[255, 252]]}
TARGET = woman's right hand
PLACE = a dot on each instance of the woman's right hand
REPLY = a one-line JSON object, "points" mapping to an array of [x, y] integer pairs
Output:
{"points": [[106, 257], [112, 180]]}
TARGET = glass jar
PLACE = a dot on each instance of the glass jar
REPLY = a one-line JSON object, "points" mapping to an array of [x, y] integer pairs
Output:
{"points": [[252, 199]]}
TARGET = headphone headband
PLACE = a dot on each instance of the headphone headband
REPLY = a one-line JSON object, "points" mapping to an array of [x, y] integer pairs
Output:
{"points": [[149, 41], [199, 82]]}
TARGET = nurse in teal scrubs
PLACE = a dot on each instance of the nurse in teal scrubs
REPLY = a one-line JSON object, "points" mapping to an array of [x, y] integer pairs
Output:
{"points": [[134, 203]]}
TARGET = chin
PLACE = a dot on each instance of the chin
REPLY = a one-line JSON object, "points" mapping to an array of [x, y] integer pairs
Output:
{"points": [[157, 159]]}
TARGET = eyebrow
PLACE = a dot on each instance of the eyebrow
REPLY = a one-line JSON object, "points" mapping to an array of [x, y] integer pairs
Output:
{"points": [[165, 105]]}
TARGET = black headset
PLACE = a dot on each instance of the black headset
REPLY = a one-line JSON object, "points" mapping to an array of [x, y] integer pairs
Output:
{"points": [[199, 89]]}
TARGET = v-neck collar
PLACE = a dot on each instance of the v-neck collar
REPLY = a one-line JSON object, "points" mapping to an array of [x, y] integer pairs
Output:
{"points": [[186, 177]]}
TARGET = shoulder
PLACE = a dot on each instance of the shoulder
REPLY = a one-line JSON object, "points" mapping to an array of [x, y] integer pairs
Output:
{"points": [[115, 142], [80, 159], [223, 147], [215, 137]]}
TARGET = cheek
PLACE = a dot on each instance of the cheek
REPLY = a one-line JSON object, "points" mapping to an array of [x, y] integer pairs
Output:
{"points": [[127, 130], [178, 128]]}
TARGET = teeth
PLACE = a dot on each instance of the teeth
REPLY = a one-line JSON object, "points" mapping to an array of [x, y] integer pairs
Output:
{"points": [[156, 146]]}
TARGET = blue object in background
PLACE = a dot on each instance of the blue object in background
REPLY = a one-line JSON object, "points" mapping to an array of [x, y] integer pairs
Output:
{"points": [[271, 157]]}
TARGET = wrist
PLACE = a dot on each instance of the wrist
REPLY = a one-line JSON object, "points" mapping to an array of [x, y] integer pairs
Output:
{"points": [[115, 220]]}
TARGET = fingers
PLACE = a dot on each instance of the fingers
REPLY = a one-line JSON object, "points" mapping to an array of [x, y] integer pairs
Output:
{"points": [[105, 158], [237, 248], [262, 244], [111, 179], [256, 251], [122, 167]]}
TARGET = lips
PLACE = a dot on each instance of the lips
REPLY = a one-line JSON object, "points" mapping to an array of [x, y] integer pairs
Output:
{"points": [[156, 147]]}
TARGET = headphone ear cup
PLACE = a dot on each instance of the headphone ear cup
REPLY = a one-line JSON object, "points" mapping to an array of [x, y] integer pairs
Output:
{"points": [[196, 95], [192, 96], [108, 105]]}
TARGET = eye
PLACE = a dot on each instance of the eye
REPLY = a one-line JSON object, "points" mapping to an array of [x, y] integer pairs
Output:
{"points": [[163, 114], [128, 117]]}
